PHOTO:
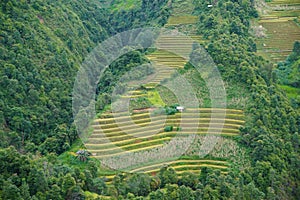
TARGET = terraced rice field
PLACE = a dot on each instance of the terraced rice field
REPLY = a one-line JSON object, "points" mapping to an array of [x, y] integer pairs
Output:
{"points": [[179, 20], [171, 55], [281, 30], [165, 64], [115, 134], [134, 94], [172, 49], [280, 40], [180, 166], [177, 43], [285, 2]]}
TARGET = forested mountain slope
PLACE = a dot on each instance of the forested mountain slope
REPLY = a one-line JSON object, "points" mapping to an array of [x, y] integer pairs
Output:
{"points": [[43, 44]]}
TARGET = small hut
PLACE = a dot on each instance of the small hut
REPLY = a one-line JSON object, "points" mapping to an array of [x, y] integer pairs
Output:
{"points": [[180, 108]]}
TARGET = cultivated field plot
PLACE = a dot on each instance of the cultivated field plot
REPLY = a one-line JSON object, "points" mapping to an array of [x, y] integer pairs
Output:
{"points": [[281, 30], [171, 49], [179, 20], [280, 39], [181, 165], [167, 59], [284, 2], [187, 163], [124, 4], [171, 54], [114, 135], [179, 43], [165, 64]]}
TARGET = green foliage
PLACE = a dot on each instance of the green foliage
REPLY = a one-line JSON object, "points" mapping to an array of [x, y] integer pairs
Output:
{"points": [[139, 184], [99, 186], [148, 14], [37, 181], [139, 103], [40, 53], [270, 118], [168, 128], [178, 128], [189, 179], [167, 176], [167, 110], [83, 155], [170, 110], [296, 48], [184, 192], [24, 177], [288, 72], [288, 75], [11, 192]]}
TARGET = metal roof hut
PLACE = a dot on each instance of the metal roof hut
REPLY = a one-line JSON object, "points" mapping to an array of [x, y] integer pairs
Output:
{"points": [[180, 108]]}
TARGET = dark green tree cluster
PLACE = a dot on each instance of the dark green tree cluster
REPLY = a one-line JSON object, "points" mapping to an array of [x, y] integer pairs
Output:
{"points": [[288, 72], [26, 177], [166, 185], [116, 77], [151, 13], [42, 44]]}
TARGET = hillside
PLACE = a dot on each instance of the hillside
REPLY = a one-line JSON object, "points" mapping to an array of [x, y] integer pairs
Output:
{"points": [[205, 114]]}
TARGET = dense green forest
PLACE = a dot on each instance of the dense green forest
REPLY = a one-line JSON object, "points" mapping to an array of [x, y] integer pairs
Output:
{"points": [[42, 45]]}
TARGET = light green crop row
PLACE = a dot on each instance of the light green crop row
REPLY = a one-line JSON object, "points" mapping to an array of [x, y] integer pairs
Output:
{"points": [[148, 167], [122, 144], [183, 115], [160, 127], [176, 20], [193, 110], [189, 167], [148, 121], [127, 138]]}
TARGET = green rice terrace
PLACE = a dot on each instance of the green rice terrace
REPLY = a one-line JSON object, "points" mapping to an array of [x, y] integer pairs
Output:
{"points": [[184, 19], [279, 22], [117, 134]]}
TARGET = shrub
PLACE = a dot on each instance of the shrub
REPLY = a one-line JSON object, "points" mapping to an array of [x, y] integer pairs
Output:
{"points": [[168, 128], [170, 110]]}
